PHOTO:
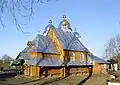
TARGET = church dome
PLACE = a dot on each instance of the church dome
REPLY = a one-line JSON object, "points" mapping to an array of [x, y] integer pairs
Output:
{"points": [[77, 34], [48, 27], [64, 24]]}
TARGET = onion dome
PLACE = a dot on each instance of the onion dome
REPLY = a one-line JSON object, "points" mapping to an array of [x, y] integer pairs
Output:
{"points": [[64, 24], [48, 27]]}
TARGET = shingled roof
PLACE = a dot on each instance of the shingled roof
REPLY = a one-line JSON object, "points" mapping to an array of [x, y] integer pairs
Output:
{"points": [[97, 59], [39, 44], [42, 44], [76, 63], [44, 62], [69, 41]]}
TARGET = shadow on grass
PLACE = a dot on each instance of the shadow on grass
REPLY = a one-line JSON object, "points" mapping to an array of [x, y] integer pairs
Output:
{"points": [[60, 78], [84, 80], [31, 81], [7, 75], [4, 76], [53, 80], [2, 80], [46, 82]]}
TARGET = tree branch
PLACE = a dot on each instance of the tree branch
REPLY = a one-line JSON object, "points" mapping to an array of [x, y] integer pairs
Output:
{"points": [[18, 9]]}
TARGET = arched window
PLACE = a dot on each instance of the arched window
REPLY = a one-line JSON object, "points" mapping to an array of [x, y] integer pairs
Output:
{"points": [[72, 56], [82, 57]]}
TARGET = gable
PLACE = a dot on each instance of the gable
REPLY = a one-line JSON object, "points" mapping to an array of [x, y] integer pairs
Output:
{"points": [[42, 44], [56, 43], [69, 41]]}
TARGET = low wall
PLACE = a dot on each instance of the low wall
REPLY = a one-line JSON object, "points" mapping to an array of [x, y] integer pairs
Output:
{"points": [[112, 83]]}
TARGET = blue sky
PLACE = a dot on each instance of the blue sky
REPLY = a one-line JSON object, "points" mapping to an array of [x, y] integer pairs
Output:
{"points": [[95, 20]]}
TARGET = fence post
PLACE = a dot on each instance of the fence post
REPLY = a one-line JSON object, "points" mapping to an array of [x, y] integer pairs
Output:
{"points": [[107, 82]]}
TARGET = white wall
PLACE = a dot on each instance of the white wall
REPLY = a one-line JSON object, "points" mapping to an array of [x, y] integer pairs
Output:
{"points": [[116, 67], [111, 83]]}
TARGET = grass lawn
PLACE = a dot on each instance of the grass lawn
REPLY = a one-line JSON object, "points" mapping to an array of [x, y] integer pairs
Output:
{"points": [[96, 79], [12, 81]]}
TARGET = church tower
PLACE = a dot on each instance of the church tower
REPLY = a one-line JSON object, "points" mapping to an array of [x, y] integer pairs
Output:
{"points": [[65, 25]]}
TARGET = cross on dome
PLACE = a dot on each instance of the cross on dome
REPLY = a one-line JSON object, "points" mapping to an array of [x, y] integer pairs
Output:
{"points": [[48, 27], [50, 21]]}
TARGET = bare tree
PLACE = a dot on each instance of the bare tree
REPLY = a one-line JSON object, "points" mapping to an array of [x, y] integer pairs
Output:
{"points": [[6, 60], [1, 63], [18, 9], [6, 57], [113, 46], [112, 50]]}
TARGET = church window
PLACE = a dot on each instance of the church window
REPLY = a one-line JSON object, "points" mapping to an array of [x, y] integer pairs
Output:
{"points": [[72, 56], [82, 57]]}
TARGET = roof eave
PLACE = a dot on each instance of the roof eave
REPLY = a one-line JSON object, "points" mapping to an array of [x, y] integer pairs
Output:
{"points": [[75, 50]]}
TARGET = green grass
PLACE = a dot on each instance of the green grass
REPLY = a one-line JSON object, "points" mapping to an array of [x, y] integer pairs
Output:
{"points": [[12, 81]]}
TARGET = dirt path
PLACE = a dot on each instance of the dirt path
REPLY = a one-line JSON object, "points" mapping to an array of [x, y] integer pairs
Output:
{"points": [[98, 79]]}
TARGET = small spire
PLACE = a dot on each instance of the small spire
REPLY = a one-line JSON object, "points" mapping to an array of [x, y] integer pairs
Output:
{"points": [[38, 32], [64, 16], [77, 33], [50, 21], [75, 29]]}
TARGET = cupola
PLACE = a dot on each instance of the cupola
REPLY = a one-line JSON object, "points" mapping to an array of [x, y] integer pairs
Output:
{"points": [[64, 24], [48, 27]]}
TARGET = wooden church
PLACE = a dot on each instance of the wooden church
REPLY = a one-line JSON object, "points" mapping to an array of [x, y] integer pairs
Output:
{"points": [[57, 52]]}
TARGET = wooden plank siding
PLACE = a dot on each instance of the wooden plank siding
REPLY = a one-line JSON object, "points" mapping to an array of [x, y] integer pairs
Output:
{"points": [[97, 68], [54, 40], [27, 70], [77, 55], [34, 71], [79, 70], [34, 54], [47, 71], [53, 56]]}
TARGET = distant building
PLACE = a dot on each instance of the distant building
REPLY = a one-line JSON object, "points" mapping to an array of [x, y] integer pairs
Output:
{"points": [[113, 64], [99, 65]]}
